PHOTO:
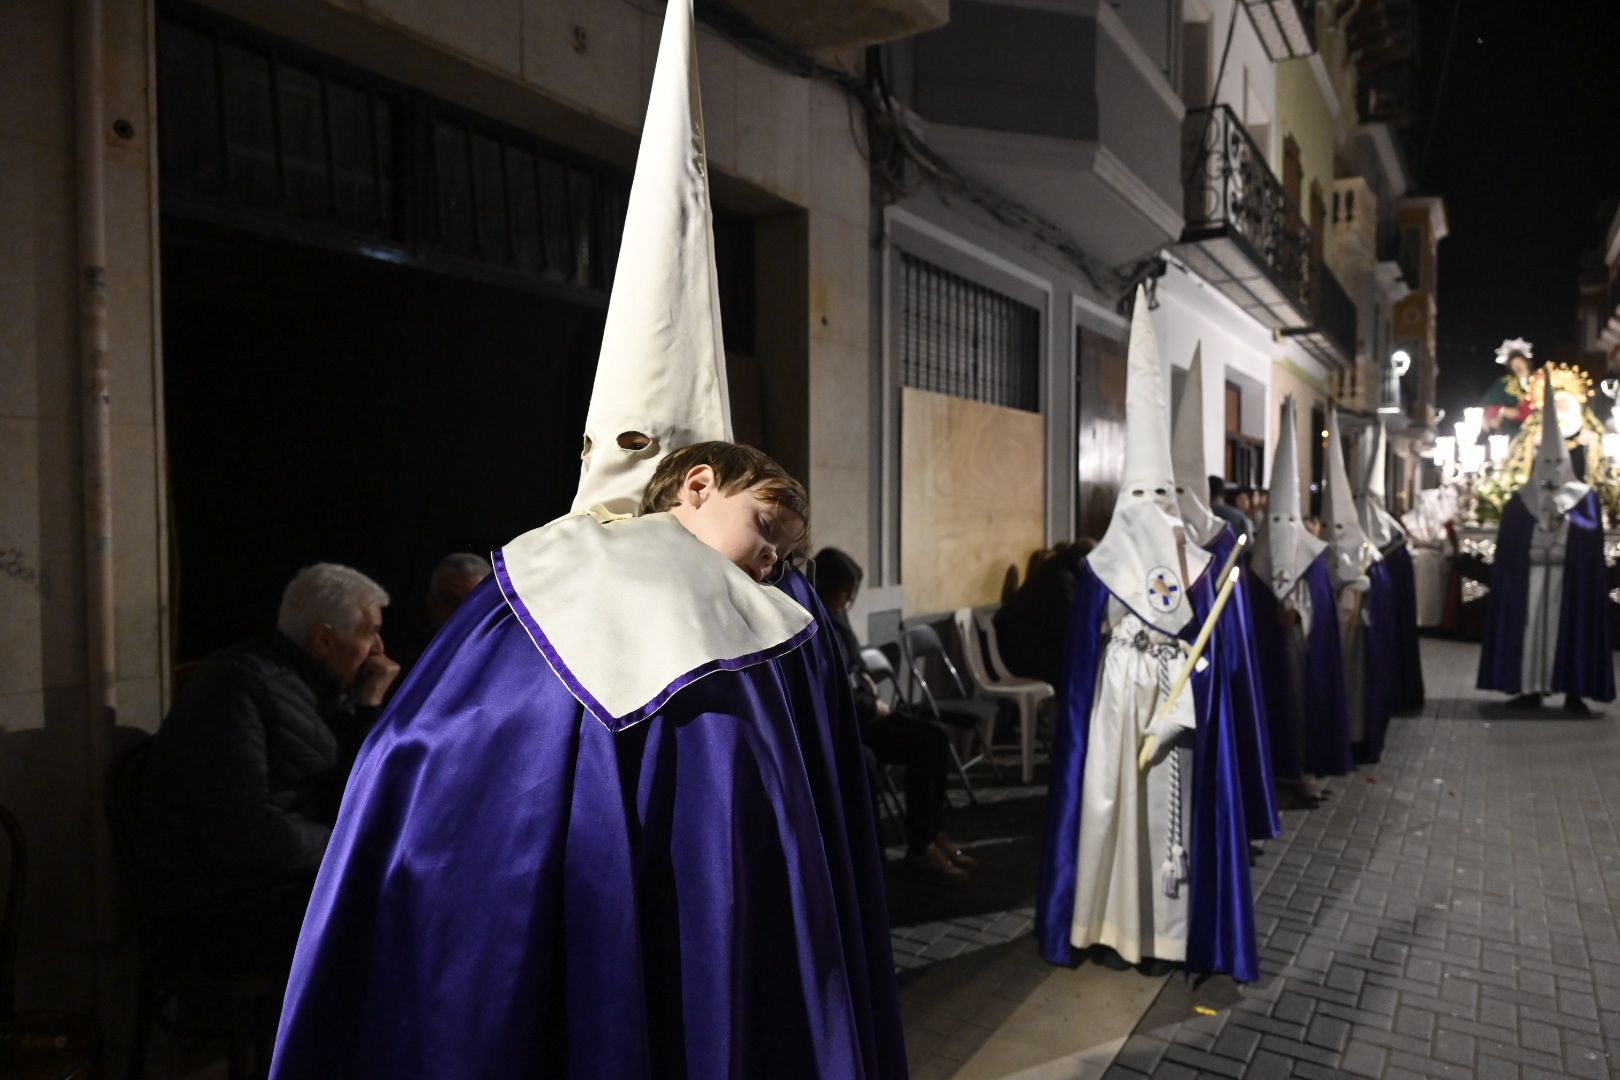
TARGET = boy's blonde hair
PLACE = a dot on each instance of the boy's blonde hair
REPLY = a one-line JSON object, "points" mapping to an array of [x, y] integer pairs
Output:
{"points": [[736, 468]]}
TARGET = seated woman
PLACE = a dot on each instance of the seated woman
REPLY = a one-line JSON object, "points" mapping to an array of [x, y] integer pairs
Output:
{"points": [[894, 735]]}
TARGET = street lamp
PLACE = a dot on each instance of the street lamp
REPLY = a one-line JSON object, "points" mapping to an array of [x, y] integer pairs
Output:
{"points": [[1287, 28], [1401, 361]]}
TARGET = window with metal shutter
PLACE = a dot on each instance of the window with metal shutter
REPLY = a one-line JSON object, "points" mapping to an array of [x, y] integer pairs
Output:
{"points": [[961, 338]]}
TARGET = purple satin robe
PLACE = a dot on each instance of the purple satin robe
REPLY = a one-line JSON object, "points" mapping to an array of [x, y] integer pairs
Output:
{"points": [[1249, 726], [512, 890], [1584, 663], [1315, 739]]}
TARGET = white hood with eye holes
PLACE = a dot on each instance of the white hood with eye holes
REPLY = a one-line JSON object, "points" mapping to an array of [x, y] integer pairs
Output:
{"points": [[1284, 548], [661, 376], [1146, 557], [1341, 524], [1376, 520], [1552, 490], [630, 610], [1192, 481]]}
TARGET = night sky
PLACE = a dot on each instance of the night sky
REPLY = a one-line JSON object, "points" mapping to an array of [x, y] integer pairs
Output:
{"points": [[1525, 148]]}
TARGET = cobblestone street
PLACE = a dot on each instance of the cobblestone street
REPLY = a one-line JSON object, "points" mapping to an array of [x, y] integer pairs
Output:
{"points": [[1449, 913]]}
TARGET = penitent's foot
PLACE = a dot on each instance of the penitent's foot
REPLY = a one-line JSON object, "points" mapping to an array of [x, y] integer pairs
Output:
{"points": [[1525, 701], [1574, 706]]}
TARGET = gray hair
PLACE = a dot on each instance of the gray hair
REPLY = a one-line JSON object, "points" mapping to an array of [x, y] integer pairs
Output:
{"points": [[463, 564], [326, 593]]}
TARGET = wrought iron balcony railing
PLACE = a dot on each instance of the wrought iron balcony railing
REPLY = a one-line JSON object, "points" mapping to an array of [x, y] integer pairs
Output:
{"points": [[1242, 230], [1331, 335]]}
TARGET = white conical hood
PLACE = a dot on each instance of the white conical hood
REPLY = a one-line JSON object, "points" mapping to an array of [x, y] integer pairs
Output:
{"points": [[1285, 548], [1552, 488], [662, 370], [1141, 555], [1187, 448], [1376, 520], [1341, 526]]}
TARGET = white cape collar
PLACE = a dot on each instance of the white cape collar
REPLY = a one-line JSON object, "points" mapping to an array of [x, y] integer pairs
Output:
{"points": [[628, 611]]}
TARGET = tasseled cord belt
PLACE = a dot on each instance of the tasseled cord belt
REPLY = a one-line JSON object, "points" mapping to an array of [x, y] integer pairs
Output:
{"points": [[1163, 654]]}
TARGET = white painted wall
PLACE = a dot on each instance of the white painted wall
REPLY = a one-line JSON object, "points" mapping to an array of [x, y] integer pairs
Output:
{"points": [[1236, 348], [1249, 71]]}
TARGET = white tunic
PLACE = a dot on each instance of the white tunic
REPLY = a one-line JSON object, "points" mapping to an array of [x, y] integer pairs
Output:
{"points": [[1131, 888], [1544, 603], [1353, 619]]}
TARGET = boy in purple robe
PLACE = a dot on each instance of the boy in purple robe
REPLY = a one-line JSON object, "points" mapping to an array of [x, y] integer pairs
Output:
{"points": [[616, 822]]}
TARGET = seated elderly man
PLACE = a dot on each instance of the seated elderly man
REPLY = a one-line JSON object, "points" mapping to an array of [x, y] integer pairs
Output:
{"points": [[243, 779]]}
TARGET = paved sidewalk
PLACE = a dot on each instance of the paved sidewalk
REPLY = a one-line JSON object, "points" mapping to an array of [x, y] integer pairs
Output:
{"points": [[1451, 912]]}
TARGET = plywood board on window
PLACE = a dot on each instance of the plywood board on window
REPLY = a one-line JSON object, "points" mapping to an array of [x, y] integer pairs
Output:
{"points": [[972, 483]]}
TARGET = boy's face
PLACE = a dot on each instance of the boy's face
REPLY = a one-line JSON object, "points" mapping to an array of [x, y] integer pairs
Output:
{"points": [[753, 533]]}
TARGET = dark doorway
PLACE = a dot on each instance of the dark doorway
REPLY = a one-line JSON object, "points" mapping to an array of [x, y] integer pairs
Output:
{"points": [[328, 406]]}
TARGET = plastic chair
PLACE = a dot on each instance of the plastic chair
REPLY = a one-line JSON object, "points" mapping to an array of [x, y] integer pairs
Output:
{"points": [[955, 705], [34, 1045], [989, 674], [250, 1004]]}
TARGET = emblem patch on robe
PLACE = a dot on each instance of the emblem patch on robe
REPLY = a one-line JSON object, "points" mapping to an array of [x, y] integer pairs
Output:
{"points": [[1163, 589]]}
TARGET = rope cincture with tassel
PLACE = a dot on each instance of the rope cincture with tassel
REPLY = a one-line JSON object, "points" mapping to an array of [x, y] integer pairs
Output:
{"points": [[1174, 870]]}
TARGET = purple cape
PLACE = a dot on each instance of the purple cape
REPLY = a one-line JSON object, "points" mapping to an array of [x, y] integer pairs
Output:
{"points": [[1409, 690], [1220, 932], [513, 890], [1583, 664], [1248, 702], [1382, 662], [1318, 741]]}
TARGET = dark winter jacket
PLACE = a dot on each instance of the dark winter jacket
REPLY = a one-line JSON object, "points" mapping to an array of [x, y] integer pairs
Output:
{"points": [[242, 782]]}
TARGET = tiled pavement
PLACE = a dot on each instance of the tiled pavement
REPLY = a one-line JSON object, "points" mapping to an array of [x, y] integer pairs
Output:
{"points": [[1449, 913]]}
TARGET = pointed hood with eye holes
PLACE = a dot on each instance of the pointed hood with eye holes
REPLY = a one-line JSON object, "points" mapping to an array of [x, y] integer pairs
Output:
{"points": [[1376, 520], [1552, 489], [1146, 558], [661, 376], [1188, 450], [1285, 548], [593, 581], [1341, 526]]}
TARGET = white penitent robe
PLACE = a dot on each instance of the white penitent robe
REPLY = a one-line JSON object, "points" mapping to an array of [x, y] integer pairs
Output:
{"points": [[1297, 640], [1544, 603], [1132, 887], [1353, 617]]}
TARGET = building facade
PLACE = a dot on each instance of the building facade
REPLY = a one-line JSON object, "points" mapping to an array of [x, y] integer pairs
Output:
{"points": [[324, 280]]}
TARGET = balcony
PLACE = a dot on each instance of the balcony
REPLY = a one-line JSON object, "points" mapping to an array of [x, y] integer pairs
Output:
{"points": [[843, 23], [1398, 248], [1287, 28], [1243, 235], [1062, 109], [1331, 336]]}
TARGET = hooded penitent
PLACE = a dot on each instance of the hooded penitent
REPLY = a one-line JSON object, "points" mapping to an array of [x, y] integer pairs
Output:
{"points": [[1376, 520], [1146, 558], [1352, 551], [1285, 548], [1547, 628], [615, 822], [1148, 860], [1237, 621], [1301, 661], [1187, 447], [1390, 538]]}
